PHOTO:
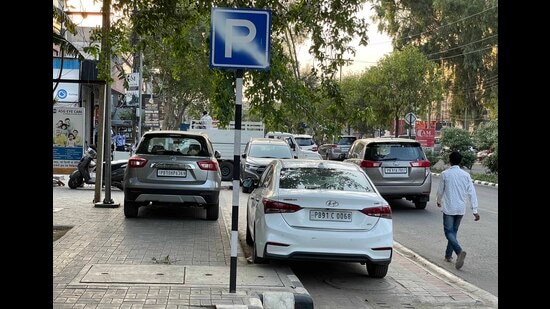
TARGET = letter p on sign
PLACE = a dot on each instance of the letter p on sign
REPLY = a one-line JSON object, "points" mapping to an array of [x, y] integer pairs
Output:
{"points": [[235, 37], [240, 38]]}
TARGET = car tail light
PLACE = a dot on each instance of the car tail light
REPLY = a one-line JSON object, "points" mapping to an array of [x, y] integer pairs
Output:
{"points": [[314, 148], [383, 211], [334, 146], [272, 207], [368, 163], [137, 162], [208, 165], [421, 163]]}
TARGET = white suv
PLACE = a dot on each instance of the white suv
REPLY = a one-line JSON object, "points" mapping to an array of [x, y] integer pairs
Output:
{"points": [[306, 142]]}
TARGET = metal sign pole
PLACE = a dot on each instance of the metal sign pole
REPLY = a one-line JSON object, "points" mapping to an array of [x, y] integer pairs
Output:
{"points": [[236, 183]]}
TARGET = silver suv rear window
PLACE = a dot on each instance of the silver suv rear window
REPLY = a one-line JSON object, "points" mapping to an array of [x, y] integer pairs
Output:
{"points": [[178, 145], [394, 152]]}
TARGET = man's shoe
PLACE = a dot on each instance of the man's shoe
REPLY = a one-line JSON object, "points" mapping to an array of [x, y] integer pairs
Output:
{"points": [[460, 259], [449, 259]]}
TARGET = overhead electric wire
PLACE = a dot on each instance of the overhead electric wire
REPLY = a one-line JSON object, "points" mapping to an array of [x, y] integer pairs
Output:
{"points": [[457, 47], [463, 54], [445, 25]]}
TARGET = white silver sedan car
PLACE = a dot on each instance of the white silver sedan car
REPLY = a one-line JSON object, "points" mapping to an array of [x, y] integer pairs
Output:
{"points": [[319, 211]]}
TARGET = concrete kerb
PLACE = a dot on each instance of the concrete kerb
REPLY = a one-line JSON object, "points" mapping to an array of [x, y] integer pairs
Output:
{"points": [[479, 182], [475, 292]]}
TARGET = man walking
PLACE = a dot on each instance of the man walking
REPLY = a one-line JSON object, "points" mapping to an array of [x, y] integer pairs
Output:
{"points": [[206, 120], [455, 190]]}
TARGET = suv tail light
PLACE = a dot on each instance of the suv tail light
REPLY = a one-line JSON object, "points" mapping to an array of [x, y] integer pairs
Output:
{"points": [[383, 211], [421, 163], [314, 148], [137, 162], [208, 165], [272, 207], [368, 163]]}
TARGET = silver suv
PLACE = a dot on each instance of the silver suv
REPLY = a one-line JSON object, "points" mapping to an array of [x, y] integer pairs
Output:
{"points": [[398, 167], [339, 150], [258, 153], [173, 167]]}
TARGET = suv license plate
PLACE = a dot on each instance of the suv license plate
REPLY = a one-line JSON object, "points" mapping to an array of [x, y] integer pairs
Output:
{"points": [[339, 216], [172, 173], [395, 170]]}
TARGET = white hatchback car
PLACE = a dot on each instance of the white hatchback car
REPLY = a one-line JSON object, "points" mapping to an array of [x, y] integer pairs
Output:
{"points": [[319, 210]]}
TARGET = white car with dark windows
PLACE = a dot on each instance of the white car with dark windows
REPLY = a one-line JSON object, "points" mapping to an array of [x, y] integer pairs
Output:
{"points": [[319, 210]]}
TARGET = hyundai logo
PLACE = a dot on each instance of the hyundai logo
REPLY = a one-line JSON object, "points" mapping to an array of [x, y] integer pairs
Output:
{"points": [[331, 203]]}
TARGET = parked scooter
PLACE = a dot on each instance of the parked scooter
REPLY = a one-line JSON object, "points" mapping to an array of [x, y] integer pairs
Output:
{"points": [[87, 167]]}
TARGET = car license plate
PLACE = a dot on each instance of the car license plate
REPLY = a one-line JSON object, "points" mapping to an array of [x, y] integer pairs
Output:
{"points": [[395, 170], [324, 215], [171, 173]]}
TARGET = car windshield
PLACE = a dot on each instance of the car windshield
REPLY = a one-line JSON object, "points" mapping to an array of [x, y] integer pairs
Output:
{"points": [[173, 145], [394, 152], [270, 151], [346, 140], [304, 141], [312, 178]]}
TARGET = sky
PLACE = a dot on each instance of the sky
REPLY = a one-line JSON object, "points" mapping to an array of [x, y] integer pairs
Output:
{"points": [[365, 56]]}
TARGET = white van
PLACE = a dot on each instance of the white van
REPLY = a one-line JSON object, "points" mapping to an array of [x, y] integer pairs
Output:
{"points": [[297, 150]]}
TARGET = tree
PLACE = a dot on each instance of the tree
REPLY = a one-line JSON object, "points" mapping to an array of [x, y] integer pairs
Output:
{"points": [[283, 97], [486, 135], [461, 36], [358, 106], [404, 81], [457, 139]]}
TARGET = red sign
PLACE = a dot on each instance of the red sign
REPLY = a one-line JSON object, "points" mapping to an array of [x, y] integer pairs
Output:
{"points": [[425, 137], [422, 124]]}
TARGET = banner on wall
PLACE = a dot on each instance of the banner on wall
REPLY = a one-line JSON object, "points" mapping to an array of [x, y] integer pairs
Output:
{"points": [[68, 136], [66, 92]]}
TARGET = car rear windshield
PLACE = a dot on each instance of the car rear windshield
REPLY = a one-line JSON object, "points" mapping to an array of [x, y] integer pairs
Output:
{"points": [[173, 145], [304, 141], [346, 140], [394, 152], [323, 179], [277, 151]]}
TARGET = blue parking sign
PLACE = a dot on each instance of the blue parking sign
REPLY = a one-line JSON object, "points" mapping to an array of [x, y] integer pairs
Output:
{"points": [[240, 38]]}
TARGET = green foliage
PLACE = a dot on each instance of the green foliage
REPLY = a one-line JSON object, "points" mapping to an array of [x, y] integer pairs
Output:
{"points": [[456, 139], [404, 81], [461, 36], [485, 177], [491, 161], [486, 136], [432, 156]]}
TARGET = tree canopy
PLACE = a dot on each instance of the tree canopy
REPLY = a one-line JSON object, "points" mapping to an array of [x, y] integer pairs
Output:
{"points": [[461, 36]]}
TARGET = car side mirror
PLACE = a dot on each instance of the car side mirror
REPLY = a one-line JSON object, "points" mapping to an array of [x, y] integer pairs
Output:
{"points": [[248, 184], [217, 154], [243, 155]]}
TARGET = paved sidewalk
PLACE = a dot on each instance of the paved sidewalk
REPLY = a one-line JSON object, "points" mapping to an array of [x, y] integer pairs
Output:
{"points": [[172, 258]]}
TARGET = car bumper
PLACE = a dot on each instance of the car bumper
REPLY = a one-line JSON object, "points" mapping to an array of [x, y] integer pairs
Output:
{"points": [[208, 193], [281, 241], [407, 191]]}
